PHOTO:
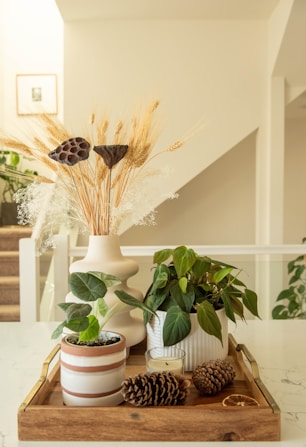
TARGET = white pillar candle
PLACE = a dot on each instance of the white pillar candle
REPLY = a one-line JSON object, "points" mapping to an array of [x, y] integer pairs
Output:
{"points": [[165, 364], [165, 359]]}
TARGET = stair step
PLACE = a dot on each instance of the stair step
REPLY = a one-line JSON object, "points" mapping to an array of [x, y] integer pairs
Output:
{"points": [[9, 290], [10, 235], [9, 263], [9, 270], [9, 312]]}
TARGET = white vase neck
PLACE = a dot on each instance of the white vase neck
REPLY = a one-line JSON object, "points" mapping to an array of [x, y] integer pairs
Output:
{"points": [[107, 246]]}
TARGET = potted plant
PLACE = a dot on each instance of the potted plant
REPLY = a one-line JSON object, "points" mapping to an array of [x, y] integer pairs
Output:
{"points": [[92, 360], [293, 298], [190, 295], [13, 179]]}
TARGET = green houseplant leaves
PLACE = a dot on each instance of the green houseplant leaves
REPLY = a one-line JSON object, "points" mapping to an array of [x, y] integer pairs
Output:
{"points": [[187, 284], [292, 300], [190, 283], [88, 317]]}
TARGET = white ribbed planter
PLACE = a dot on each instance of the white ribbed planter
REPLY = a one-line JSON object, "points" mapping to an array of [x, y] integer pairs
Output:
{"points": [[92, 375], [198, 345]]}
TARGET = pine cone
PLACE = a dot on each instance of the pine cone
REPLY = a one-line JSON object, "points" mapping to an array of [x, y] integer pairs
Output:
{"points": [[210, 377], [155, 389]]}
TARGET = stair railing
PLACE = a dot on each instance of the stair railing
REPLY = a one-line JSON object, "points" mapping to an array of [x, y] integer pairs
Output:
{"points": [[29, 266], [32, 306], [29, 280]]}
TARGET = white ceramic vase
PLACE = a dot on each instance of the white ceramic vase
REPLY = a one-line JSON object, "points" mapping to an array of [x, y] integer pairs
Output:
{"points": [[198, 345], [104, 255], [92, 375]]}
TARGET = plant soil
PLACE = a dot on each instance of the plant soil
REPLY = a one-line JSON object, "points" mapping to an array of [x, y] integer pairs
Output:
{"points": [[103, 341]]}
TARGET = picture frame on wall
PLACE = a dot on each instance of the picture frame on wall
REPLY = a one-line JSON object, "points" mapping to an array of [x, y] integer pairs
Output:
{"points": [[36, 94]]}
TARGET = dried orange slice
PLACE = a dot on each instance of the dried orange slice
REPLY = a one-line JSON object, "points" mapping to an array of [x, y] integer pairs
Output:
{"points": [[239, 400]]}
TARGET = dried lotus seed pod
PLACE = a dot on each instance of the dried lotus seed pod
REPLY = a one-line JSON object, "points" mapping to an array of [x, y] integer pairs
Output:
{"points": [[71, 151], [112, 153]]}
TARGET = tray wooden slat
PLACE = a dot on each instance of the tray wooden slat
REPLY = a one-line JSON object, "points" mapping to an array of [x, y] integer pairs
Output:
{"points": [[46, 418]]}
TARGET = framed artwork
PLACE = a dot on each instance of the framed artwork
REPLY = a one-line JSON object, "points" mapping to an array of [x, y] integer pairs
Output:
{"points": [[36, 94]]}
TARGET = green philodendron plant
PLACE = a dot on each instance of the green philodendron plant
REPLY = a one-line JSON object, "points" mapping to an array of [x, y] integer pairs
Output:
{"points": [[195, 284], [87, 319], [293, 298]]}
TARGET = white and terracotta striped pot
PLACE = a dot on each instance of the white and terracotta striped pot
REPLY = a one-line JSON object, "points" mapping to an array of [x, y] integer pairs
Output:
{"points": [[92, 375]]}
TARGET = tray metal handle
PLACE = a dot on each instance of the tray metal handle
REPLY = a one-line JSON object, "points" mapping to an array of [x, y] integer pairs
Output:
{"points": [[42, 378], [255, 371]]}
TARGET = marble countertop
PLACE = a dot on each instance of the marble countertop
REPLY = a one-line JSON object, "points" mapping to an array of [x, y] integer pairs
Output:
{"points": [[279, 348]]}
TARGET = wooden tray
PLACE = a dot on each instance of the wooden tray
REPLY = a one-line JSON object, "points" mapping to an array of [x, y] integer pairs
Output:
{"points": [[44, 417]]}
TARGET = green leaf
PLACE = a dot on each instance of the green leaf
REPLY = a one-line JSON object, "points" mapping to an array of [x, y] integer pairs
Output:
{"points": [[156, 299], [183, 282], [162, 255], [183, 300], [228, 305], [237, 306], [177, 326], [223, 264], [92, 331], [297, 275], [14, 159], [153, 302], [249, 299], [87, 286], [77, 310], [64, 306], [109, 280], [222, 273], [147, 314], [58, 331], [160, 278], [293, 307], [78, 324], [131, 301], [280, 312], [294, 263], [200, 267], [208, 320], [102, 307], [183, 260], [286, 294], [235, 280]]}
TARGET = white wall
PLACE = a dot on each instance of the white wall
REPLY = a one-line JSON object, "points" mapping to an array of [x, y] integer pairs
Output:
{"points": [[198, 69], [32, 43], [217, 207], [295, 182]]}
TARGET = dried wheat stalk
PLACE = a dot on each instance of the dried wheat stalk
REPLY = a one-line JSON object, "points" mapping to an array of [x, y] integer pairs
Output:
{"points": [[96, 190]]}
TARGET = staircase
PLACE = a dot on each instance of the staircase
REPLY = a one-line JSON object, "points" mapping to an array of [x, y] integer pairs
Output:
{"points": [[9, 270]]}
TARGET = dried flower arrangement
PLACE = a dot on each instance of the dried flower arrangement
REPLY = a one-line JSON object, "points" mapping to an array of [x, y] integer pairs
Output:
{"points": [[103, 183]]}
